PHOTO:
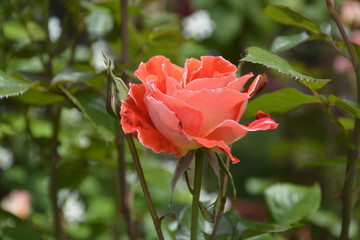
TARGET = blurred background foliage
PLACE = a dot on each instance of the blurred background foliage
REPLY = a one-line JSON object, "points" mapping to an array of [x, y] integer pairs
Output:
{"points": [[52, 51]]}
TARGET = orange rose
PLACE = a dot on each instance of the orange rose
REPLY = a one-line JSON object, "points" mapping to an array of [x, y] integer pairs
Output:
{"points": [[178, 109]]}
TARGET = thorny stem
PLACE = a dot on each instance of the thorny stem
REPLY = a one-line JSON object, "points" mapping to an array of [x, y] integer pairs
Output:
{"points": [[353, 147], [59, 233], [143, 184], [222, 198], [196, 193]]}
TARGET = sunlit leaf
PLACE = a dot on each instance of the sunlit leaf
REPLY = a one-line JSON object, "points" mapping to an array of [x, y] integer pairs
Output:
{"points": [[71, 75], [345, 104], [260, 56], [287, 16], [282, 43], [289, 203], [282, 101], [10, 86]]}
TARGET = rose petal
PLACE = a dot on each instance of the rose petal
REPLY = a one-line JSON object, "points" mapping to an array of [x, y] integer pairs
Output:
{"points": [[191, 118], [209, 83], [135, 120], [214, 67], [219, 144], [258, 84], [168, 124], [157, 70], [228, 131], [215, 105], [192, 65], [239, 83]]}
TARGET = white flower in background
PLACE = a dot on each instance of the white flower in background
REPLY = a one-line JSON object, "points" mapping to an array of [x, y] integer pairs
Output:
{"points": [[71, 116], [83, 140], [73, 208], [17, 202], [6, 158], [98, 48], [198, 25], [55, 29]]}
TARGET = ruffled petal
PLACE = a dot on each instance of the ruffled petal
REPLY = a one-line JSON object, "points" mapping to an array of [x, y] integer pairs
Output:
{"points": [[157, 70], [215, 105], [191, 67], [190, 118], [258, 84], [217, 144], [214, 67], [136, 121], [168, 124]]}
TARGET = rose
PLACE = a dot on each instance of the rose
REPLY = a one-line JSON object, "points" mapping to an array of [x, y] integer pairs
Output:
{"points": [[176, 109]]}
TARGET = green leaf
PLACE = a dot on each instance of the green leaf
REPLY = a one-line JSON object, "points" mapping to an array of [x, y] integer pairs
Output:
{"points": [[71, 75], [289, 203], [70, 173], [282, 43], [21, 233], [15, 31], [10, 86], [181, 166], [287, 16], [282, 101], [259, 228], [260, 56], [40, 96], [355, 47], [345, 104], [93, 108]]}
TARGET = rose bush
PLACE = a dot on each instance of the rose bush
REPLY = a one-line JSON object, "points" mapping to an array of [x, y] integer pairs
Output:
{"points": [[178, 109]]}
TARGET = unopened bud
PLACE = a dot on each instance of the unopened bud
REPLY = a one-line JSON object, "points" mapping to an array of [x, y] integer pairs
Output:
{"points": [[116, 91]]}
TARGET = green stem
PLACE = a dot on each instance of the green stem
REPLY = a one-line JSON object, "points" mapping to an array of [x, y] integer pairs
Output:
{"points": [[143, 184], [353, 147], [122, 186], [58, 230], [196, 194], [222, 197]]}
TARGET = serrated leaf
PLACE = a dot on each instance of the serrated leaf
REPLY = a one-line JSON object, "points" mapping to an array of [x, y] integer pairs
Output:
{"points": [[345, 104], [282, 101], [287, 16], [10, 86], [260, 56], [282, 43], [71, 75], [182, 164], [289, 203]]}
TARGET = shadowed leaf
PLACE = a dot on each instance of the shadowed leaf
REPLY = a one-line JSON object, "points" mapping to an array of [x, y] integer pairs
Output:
{"points": [[182, 164], [287, 16]]}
